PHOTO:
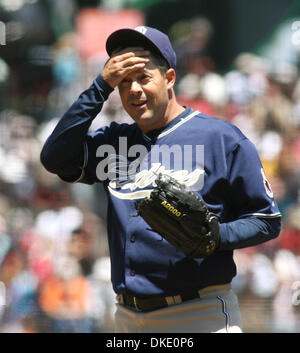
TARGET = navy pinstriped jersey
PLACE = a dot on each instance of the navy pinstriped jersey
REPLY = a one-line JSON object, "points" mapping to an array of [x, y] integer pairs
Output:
{"points": [[210, 155]]}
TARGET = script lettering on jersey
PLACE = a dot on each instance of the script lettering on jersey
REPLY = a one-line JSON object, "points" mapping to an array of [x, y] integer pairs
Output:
{"points": [[144, 182], [136, 167]]}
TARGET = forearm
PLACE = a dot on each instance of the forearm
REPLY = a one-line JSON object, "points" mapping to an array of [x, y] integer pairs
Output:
{"points": [[248, 232], [63, 152]]}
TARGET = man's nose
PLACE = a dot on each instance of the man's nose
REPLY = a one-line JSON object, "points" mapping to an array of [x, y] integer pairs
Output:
{"points": [[135, 87]]}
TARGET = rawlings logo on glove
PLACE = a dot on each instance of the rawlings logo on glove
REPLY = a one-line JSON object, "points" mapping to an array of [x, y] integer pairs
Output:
{"points": [[181, 217]]}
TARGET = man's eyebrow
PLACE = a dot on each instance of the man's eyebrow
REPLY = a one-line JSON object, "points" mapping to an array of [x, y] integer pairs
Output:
{"points": [[143, 72]]}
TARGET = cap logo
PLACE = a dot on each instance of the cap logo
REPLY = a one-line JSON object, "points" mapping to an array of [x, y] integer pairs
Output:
{"points": [[141, 29]]}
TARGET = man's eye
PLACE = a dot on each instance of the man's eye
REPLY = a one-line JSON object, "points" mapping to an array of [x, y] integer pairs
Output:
{"points": [[144, 78]]}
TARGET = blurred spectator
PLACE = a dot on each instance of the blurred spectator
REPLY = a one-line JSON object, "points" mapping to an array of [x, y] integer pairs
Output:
{"points": [[103, 296], [65, 297], [80, 247], [191, 44], [21, 287], [290, 237], [284, 316], [248, 79], [190, 94], [112, 111]]}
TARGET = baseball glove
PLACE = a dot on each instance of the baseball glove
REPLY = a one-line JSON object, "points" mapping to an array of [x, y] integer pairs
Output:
{"points": [[181, 217]]}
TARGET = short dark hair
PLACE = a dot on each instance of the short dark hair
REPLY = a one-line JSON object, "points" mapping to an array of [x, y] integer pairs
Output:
{"points": [[160, 61]]}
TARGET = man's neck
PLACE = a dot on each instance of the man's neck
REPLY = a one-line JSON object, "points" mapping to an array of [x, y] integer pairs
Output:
{"points": [[173, 111]]}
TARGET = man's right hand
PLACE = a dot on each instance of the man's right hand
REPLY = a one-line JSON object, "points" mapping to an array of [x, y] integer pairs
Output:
{"points": [[122, 63]]}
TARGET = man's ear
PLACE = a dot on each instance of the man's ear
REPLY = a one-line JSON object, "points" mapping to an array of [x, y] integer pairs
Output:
{"points": [[171, 78]]}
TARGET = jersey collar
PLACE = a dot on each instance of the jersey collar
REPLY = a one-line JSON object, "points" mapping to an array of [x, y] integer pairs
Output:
{"points": [[172, 125]]}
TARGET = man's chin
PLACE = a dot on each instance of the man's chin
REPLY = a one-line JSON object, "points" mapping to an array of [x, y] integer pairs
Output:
{"points": [[141, 118], [147, 124]]}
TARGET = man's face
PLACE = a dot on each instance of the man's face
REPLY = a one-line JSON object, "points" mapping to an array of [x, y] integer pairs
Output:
{"points": [[145, 96]]}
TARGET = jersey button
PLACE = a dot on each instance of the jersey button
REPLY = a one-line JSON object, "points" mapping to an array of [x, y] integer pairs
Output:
{"points": [[132, 238]]}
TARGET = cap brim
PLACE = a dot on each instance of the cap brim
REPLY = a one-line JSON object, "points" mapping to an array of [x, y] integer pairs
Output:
{"points": [[127, 37]]}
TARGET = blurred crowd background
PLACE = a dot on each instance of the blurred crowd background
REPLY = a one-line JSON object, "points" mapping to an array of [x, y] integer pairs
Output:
{"points": [[237, 60]]}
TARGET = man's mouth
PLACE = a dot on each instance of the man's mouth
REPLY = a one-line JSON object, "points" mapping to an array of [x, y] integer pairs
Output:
{"points": [[139, 103]]}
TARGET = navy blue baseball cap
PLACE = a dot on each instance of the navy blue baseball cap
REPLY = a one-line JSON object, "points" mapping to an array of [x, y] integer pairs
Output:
{"points": [[144, 36]]}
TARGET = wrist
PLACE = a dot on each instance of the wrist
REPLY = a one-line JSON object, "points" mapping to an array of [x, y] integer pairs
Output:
{"points": [[103, 86]]}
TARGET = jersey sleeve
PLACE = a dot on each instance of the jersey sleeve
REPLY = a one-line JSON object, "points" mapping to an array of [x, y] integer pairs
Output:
{"points": [[99, 145], [250, 192], [65, 151]]}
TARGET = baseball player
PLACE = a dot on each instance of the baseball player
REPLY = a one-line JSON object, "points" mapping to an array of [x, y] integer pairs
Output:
{"points": [[185, 190]]}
